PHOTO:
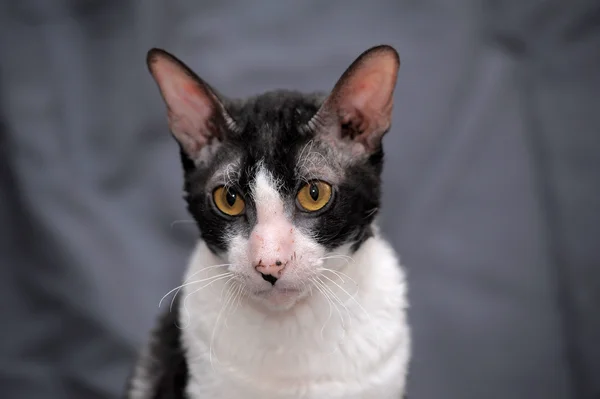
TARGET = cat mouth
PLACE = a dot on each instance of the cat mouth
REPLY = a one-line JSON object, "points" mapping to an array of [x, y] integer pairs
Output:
{"points": [[278, 291], [279, 298]]}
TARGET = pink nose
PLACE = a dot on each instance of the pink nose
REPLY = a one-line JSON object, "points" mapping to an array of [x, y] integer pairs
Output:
{"points": [[270, 271]]}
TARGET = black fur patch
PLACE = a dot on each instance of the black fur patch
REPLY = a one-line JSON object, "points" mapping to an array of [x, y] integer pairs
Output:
{"points": [[166, 368]]}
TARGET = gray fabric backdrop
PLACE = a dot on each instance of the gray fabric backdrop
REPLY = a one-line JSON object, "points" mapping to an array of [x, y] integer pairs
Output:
{"points": [[492, 181]]}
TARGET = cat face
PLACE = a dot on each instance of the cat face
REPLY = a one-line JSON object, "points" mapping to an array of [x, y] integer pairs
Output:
{"points": [[280, 182]]}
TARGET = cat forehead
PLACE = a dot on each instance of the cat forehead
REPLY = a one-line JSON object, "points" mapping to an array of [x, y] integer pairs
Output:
{"points": [[309, 163], [273, 119], [272, 133], [276, 106]]}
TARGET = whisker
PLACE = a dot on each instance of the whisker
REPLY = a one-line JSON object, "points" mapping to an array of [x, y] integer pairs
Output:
{"points": [[356, 302], [316, 285], [218, 278], [339, 275], [241, 297], [370, 212], [207, 268], [182, 222], [186, 280], [233, 307], [186, 283], [329, 295], [336, 298], [223, 306], [338, 256], [347, 293], [301, 156]]}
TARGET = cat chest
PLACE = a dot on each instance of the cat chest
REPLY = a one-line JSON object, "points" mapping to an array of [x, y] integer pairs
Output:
{"points": [[325, 380]]}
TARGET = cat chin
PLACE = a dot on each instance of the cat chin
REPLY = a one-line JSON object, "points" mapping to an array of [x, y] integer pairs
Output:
{"points": [[276, 299]]}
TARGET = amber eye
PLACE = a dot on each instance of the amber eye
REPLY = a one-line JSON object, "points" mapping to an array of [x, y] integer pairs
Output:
{"points": [[314, 196], [228, 201]]}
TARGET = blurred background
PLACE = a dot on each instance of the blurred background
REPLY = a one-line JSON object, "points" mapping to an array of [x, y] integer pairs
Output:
{"points": [[491, 186]]}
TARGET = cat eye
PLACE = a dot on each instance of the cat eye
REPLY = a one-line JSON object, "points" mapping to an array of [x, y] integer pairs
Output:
{"points": [[228, 201], [314, 196]]}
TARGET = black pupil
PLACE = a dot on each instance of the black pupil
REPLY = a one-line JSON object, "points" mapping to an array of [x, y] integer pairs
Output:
{"points": [[314, 192], [230, 197]]}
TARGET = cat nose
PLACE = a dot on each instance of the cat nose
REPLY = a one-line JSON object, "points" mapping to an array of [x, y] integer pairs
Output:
{"points": [[270, 271]]}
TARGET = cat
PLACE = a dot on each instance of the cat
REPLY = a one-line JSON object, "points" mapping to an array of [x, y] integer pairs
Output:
{"points": [[291, 291]]}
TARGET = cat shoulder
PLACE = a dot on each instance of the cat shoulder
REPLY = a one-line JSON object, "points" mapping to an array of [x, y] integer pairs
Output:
{"points": [[161, 370]]}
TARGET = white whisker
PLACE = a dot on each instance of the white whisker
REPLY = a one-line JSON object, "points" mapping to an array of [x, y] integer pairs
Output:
{"points": [[352, 297], [332, 298], [371, 212], [233, 307], [186, 283], [316, 285], [223, 306], [218, 278], [186, 280], [184, 221], [336, 298], [340, 275], [338, 256]]}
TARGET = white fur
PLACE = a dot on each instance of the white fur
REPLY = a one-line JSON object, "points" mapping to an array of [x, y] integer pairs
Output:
{"points": [[340, 332], [306, 351]]}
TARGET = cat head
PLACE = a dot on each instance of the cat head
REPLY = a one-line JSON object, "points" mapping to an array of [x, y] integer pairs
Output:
{"points": [[281, 181]]}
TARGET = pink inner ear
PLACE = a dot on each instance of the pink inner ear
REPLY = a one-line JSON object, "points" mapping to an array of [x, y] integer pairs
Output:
{"points": [[370, 88], [189, 105], [193, 102], [363, 98]]}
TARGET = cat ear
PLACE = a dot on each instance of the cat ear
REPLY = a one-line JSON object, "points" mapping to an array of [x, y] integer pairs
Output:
{"points": [[196, 114], [360, 104]]}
